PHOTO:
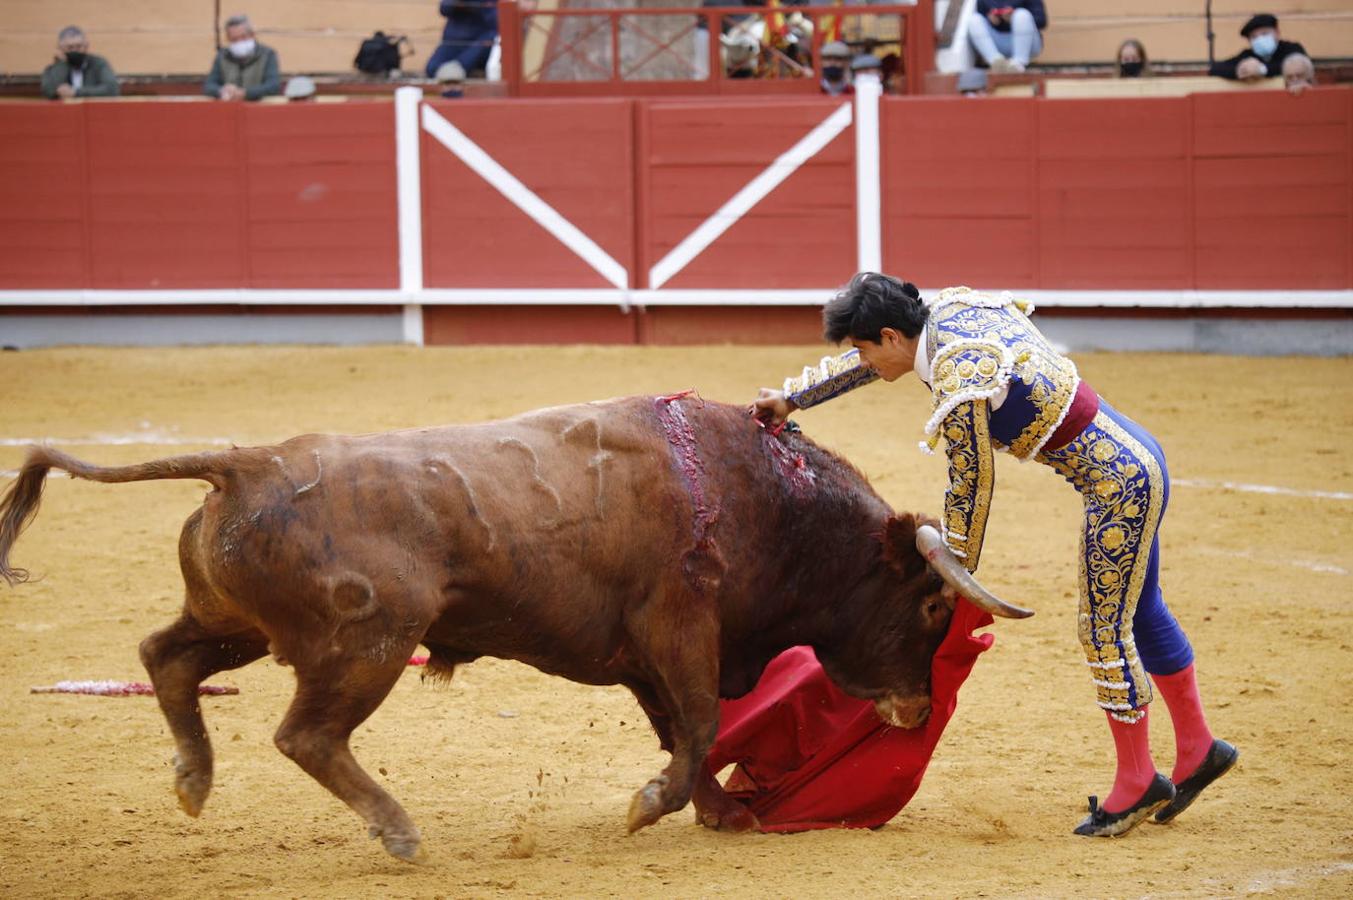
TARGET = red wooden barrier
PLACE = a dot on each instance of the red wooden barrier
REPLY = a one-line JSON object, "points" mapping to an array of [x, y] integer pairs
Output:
{"points": [[698, 154], [1272, 185], [44, 241], [576, 155], [1248, 191], [1113, 194], [321, 210], [197, 195]]}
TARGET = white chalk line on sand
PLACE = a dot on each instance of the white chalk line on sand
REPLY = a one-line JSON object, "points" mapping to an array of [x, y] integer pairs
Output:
{"points": [[1260, 489], [1322, 568], [1268, 882], [158, 438]]}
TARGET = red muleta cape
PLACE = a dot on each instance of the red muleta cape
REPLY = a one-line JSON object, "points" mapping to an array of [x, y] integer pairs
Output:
{"points": [[809, 756]]}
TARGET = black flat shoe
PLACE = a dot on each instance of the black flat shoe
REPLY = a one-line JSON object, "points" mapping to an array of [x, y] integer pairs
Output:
{"points": [[1102, 823], [1219, 760]]}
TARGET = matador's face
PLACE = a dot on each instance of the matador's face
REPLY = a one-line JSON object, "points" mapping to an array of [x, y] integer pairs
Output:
{"points": [[892, 356]]}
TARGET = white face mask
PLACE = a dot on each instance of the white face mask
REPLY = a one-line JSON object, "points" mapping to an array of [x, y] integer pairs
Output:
{"points": [[1264, 45], [241, 49]]}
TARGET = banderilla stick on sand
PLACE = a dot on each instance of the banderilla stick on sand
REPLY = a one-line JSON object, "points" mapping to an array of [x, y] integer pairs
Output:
{"points": [[142, 689], [121, 689]]}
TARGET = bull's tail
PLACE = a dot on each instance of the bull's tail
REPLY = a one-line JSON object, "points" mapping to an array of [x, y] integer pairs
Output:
{"points": [[20, 503]]}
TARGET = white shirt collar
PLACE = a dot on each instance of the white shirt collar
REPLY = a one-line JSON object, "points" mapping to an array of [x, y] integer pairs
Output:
{"points": [[921, 365]]}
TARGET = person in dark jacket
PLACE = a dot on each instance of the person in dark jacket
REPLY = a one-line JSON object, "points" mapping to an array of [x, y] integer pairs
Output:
{"points": [[471, 26], [77, 72], [1007, 33], [1264, 57], [244, 69]]}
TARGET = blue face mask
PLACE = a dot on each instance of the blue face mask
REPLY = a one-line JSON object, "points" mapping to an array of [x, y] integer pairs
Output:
{"points": [[1264, 45]]}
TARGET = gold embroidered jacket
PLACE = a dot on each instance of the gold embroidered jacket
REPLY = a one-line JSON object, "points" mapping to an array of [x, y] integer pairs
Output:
{"points": [[981, 346]]}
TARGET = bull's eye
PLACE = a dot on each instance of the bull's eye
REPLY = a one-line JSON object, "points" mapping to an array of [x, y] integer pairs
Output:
{"points": [[932, 607]]}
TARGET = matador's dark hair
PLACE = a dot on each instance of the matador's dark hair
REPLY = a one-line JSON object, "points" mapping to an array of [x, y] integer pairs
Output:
{"points": [[871, 303]]}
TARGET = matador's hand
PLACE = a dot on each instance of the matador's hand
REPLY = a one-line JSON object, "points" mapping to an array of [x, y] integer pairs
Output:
{"points": [[772, 406]]}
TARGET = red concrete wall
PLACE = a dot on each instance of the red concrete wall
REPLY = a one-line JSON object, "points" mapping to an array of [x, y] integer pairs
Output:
{"points": [[197, 195]]}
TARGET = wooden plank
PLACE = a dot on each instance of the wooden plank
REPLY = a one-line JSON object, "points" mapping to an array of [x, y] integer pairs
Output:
{"points": [[701, 154], [322, 206], [574, 155]]}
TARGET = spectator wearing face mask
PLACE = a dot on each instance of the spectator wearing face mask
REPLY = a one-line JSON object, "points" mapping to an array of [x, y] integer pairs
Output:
{"points": [[1132, 61], [1265, 55], [836, 69], [244, 69], [77, 72]]}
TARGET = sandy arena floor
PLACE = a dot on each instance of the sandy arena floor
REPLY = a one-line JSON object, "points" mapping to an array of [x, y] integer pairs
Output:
{"points": [[520, 782]]}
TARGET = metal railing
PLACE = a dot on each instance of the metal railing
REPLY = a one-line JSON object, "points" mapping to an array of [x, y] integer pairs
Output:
{"points": [[705, 50]]}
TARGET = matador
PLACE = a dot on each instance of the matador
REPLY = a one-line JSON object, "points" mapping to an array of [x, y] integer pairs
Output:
{"points": [[998, 384]]}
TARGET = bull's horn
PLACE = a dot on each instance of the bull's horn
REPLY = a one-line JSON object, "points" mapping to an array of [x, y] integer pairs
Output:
{"points": [[948, 567]]}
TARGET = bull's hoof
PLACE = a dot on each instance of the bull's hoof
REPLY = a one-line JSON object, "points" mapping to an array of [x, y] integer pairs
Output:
{"points": [[646, 807], [407, 846], [192, 787], [737, 818]]}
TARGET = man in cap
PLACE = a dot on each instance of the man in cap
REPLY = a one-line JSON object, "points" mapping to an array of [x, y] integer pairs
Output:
{"points": [[1264, 57], [77, 72], [836, 69]]}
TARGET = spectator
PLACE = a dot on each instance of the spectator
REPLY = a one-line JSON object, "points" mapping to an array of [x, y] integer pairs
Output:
{"points": [[1298, 73], [1132, 61], [894, 76], [1008, 33], [973, 83], [471, 26], [451, 79], [77, 72], [836, 69], [863, 63], [1265, 55], [300, 89], [244, 69]]}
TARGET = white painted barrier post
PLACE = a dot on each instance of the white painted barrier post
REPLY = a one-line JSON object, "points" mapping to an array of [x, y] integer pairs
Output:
{"points": [[409, 190], [868, 184]]}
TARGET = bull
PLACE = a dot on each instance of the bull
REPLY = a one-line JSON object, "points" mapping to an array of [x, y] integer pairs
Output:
{"points": [[670, 545]]}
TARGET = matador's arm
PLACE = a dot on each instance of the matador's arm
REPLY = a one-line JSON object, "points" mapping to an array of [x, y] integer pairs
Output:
{"points": [[972, 476], [833, 376]]}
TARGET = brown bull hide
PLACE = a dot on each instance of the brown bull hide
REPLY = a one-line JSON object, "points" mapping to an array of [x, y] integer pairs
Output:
{"points": [[666, 544]]}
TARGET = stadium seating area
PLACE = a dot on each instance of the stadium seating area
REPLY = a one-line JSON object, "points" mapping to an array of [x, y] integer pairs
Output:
{"points": [[165, 46]]}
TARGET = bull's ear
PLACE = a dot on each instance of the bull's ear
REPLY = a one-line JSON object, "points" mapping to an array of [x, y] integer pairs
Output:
{"points": [[899, 545]]}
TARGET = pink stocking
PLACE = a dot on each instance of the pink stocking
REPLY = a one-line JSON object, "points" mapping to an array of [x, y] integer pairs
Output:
{"points": [[1192, 737], [1135, 766]]}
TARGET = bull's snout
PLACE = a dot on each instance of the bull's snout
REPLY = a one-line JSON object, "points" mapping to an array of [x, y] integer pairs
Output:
{"points": [[903, 712]]}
